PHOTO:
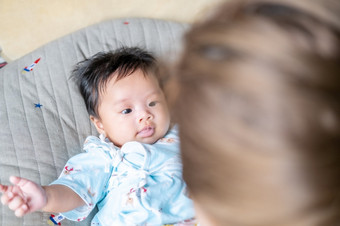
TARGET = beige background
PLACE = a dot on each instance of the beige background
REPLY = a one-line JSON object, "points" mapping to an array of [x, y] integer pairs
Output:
{"points": [[27, 24]]}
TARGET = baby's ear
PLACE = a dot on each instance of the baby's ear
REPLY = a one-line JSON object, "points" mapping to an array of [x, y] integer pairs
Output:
{"points": [[98, 124]]}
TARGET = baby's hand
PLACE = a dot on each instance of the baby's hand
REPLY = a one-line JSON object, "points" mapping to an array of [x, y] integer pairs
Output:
{"points": [[23, 197]]}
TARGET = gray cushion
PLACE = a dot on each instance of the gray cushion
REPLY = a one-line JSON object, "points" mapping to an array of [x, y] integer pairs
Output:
{"points": [[36, 142]]}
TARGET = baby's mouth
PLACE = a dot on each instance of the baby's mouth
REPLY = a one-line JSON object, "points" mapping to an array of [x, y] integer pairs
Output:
{"points": [[147, 131]]}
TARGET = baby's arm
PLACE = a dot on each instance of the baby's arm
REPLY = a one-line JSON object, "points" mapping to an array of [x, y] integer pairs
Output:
{"points": [[25, 196], [61, 198]]}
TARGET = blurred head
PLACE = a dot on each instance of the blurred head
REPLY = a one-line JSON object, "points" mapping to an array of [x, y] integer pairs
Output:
{"points": [[258, 103], [123, 96]]}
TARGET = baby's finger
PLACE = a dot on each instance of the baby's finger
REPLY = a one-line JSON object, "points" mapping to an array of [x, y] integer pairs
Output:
{"points": [[6, 197], [15, 180], [15, 203], [3, 188], [21, 211], [18, 181]]}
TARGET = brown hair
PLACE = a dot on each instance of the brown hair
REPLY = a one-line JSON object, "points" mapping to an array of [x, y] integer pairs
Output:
{"points": [[258, 106]]}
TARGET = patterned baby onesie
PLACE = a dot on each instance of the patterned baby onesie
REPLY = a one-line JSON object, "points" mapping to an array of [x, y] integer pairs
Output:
{"points": [[138, 184]]}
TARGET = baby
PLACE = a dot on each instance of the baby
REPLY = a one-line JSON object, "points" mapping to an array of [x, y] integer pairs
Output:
{"points": [[133, 171]]}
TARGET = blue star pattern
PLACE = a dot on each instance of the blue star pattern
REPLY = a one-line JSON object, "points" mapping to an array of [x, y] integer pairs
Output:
{"points": [[38, 105]]}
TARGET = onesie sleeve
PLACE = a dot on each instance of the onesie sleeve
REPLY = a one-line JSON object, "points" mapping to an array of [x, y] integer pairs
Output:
{"points": [[87, 174]]}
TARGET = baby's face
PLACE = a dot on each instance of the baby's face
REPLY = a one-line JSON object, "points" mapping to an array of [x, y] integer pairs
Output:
{"points": [[133, 109]]}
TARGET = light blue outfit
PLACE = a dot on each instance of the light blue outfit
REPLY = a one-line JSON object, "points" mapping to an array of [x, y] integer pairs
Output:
{"points": [[139, 184]]}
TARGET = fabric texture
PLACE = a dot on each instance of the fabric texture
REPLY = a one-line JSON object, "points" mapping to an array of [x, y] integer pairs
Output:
{"points": [[138, 184], [43, 118]]}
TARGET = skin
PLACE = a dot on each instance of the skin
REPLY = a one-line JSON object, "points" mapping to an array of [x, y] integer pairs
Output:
{"points": [[25, 196], [131, 109]]}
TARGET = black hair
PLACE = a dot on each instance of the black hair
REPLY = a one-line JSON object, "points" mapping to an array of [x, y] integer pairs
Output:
{"points": [[93, 73]]}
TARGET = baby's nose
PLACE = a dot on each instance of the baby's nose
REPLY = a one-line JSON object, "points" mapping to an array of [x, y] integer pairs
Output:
{"points": [[145, 116]]}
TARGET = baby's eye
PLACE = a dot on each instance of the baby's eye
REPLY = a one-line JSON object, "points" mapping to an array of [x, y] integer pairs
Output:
{"points": [[126, 111], [152, 103]]}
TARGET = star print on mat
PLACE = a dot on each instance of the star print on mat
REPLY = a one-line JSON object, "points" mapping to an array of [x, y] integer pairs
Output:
{"points": [[38, 105]]}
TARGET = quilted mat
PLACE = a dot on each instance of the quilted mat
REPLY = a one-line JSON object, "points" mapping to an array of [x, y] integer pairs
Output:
{"points": [[43, 119]]}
